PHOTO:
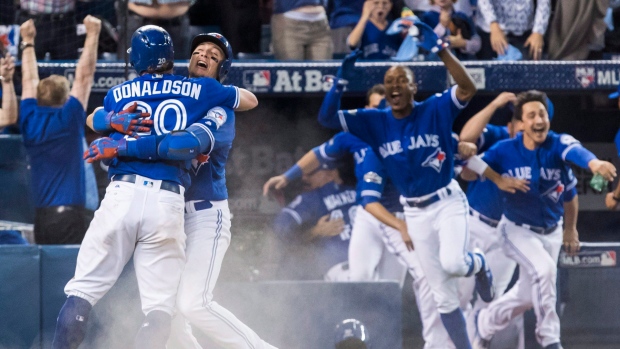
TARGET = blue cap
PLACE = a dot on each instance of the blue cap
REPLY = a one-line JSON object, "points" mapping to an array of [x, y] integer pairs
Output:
{"points": [[615, 94], [511, 54]]}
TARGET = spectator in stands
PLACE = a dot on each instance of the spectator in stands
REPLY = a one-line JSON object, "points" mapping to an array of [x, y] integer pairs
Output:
{"points": [[55, 18], [514, 22], [8, 113], [52, 122], [370, 32], [169, 14], [315, 227], [343, 16], [456, 27], [300, 31], [577, 30]]}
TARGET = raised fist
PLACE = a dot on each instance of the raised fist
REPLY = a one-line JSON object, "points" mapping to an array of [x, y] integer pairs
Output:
{"points": [[28, 31], [92, 24]]}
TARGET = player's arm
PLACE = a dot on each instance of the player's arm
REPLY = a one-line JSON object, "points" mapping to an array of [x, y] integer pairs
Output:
{"points": [[474, 127], [574, 152], [247, 100], [308, 163], [466, 89], [8, 113], [85, 70], [30, 72], [507, 184], [328, 114], [571, 236], [386, 217], [129, 121], [612, 199]]}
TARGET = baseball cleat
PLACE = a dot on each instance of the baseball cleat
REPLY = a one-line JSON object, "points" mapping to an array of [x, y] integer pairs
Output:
{"points": [[484, 279], [478, 342]]}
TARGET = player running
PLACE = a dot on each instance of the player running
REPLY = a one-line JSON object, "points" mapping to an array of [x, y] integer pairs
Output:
{"points": [[414, 143], [531, 224], [142, 212]]}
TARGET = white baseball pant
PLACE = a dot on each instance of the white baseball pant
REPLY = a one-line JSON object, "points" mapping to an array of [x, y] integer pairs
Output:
{"points": [[208, 238], [440, 234], [537, 256], [373, 249], [140, 219]]}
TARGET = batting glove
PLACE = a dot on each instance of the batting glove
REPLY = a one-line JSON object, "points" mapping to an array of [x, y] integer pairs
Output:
{"points": [[105, 148], [129, 121], [427, 38]]}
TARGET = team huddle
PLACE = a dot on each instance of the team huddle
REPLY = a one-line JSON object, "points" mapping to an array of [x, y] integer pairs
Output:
{"points": [[166, 143]]}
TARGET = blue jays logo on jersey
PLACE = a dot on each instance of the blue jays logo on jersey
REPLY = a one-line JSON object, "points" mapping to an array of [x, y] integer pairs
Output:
{"points": [[555, 192], [435, 160], [198, 161], [217, 115]]}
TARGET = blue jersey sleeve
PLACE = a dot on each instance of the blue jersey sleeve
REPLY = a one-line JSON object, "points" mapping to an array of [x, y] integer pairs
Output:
{"points": [[338, 146], [572, 151], [226, 96], [491, 135], [447, 105], [617, 141], [492, 157], [371, 181], [361, 122], [328, 113]]}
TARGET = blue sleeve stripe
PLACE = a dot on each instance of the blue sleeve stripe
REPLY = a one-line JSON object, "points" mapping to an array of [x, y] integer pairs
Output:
{"points": [[324, 154], [455, 100], [343, 121], [371, 193], [209, 133], [237, 98], [293, 214], [569, 148]]}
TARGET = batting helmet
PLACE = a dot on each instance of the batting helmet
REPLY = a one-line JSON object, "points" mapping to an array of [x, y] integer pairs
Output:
{"points": [[151, 49], [223, 44], [351, 334]]}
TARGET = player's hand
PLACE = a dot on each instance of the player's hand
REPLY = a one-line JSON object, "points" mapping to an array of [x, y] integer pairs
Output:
{"points": [[103, 148], [498, 39], [511, 185], [570, 241], [28, 31], [130, 121], [535, 42], [7, 68], [405, 235], [274, 183], [347, 69], [428, 40], [92, 25], [604, 168], [467, 150], [504, 98], [610, 202], [327, 228]]}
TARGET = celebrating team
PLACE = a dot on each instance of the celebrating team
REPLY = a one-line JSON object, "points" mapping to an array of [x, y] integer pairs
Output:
{"points": [[156, 176]]}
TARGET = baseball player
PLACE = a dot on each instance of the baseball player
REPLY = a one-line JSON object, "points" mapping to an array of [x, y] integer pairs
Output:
{"points": [[413, 141], [531, 223], [142, 212], [207, 216]]}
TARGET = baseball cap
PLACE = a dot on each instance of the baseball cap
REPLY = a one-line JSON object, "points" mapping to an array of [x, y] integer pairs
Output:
{"points": [[615, 94]]}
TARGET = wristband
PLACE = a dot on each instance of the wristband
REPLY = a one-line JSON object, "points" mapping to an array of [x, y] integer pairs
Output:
{"points": [[476, 164], [101, 120], [293, 173]]}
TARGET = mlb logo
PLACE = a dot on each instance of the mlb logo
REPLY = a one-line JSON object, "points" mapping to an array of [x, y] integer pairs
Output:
{"points": [[585, 76], [608, 259], [9, 36], [257, 80]]}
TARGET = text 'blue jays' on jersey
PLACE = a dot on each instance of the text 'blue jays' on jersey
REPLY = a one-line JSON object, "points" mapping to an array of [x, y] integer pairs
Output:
{"points": [[372, 182], [483, 195], [174, 103], [549, 174], [208, 172], [418, 150], [376, 44]]}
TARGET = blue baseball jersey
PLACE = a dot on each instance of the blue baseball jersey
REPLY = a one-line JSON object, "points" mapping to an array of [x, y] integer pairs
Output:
{"points": [[617, 141], [417, 151], [483, 195], [550, 176], [208, 172], [377, 44], [174, 103], [53, 139], [372, 182], [304, 212]]}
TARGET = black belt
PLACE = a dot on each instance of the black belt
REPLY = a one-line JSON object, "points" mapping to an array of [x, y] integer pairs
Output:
{"points": [[159, 21], [431, 200], [165, 185], [52, 17], [484, 219], [538, 230]]}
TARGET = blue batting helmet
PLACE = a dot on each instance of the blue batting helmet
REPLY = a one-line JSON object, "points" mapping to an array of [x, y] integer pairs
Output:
{"points": [[351, 333], [151, 49], [223, 44]]}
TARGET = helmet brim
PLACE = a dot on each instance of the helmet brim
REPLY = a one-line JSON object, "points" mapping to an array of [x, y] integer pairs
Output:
{"points": [[202, 38]]}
